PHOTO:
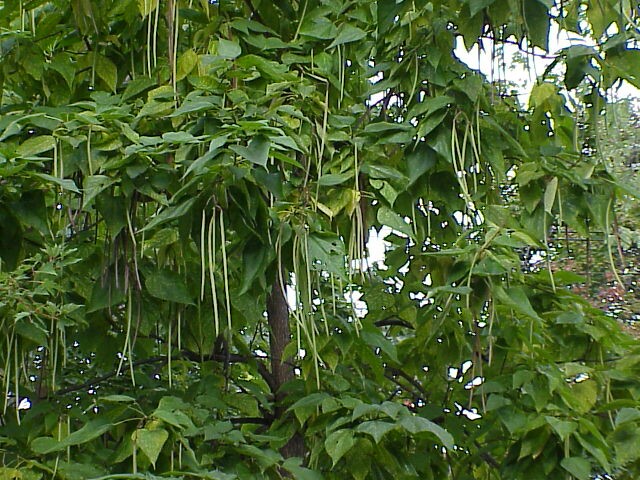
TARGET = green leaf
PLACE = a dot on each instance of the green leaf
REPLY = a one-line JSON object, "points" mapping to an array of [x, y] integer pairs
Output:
{"points": [[228, 49], [581, 396], [388, 217], [137, 86], [415, 424], [380, 127], [195, 105], [300, 473], [35, 145], [578, 467], [63, 64], [627, 415], [383, 172], [387, 11], [180, 137], [93, 185], [347, 33], [257, 152], [376, 428], [376, 340], [29, 331], [167, 285], [91, 430], [186, 63], [550, 194], [328, 249], [107, 71], [476, 6], [306, 406], [537, 23], [170, 213], [321, 28], [338, 443], [173, 417], [150, 442], [420, 161], [253, 263], [516, 298], [563, 428], [331, 179], [65, 183]]}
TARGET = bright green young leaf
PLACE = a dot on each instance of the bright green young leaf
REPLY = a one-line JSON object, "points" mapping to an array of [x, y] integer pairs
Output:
{"points": [[186, 63], [150, 442]]}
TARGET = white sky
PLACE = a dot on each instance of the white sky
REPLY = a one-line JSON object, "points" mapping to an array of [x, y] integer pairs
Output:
{"points": [[516, 72]]}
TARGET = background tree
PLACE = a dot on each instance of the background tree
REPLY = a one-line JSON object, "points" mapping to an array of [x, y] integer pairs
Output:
{"points": [[171, 169]]}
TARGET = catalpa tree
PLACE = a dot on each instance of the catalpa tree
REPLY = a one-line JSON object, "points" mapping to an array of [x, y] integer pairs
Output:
{"points": [[187, 194]]}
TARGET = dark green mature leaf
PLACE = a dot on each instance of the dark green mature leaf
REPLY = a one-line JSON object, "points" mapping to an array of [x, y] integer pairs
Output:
{"points": [[171, 213], [347, 33], [93, 185], [63, 64], [537, 21], [257, 152], [339, 443], [137, 86], [415, 424], [329, 251], [330, 179], [627, 415], [11, 238], [107, 71], [65, 183], [167, 285], [307, 405], [516, 298], [378, 341], [578, 467], [376, 428], [90, 431], [35, 145], [228, 49], [388, 217], [293, 465], [476, 6]]}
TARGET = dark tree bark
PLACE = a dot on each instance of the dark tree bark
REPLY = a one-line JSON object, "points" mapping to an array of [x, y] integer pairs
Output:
{"points": [[281, 372]]}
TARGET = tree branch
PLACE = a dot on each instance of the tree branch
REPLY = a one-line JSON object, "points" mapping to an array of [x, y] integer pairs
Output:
{"points": [[184, 354]]}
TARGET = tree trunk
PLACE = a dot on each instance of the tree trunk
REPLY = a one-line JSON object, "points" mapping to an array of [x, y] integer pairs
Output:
{"points": [[279, 338]]}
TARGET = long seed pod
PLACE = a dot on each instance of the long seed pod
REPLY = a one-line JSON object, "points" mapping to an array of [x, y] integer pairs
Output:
{"points": [[211, 247], [227, 296], [203, 258]]}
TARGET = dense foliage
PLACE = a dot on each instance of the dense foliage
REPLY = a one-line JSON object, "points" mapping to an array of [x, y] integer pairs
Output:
{"points": [[170, 171]]}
